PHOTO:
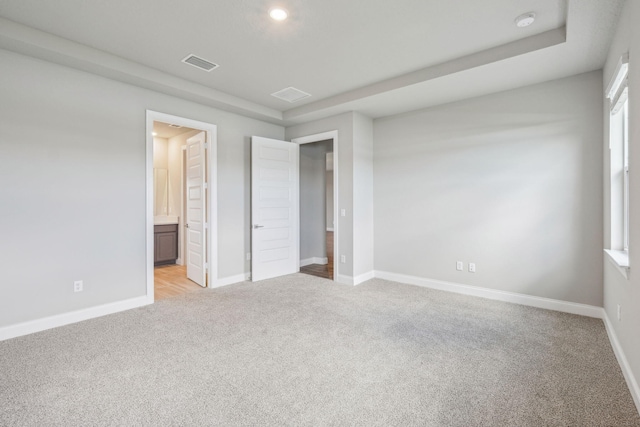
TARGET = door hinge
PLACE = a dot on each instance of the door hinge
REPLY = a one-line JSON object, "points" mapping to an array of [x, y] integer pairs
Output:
{"points": [[206, 145], [206, 225], [206, 185], [206, 266]]}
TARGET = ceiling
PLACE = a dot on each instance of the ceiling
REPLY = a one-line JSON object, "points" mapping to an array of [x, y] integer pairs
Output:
{"points": [[377, 57], [165, 130]]}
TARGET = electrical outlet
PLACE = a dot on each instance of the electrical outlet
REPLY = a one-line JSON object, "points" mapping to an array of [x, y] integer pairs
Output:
{"points": [[248, 256], [472, 267], [343, 258], [459, 266], [619, 312], [77, 286]]}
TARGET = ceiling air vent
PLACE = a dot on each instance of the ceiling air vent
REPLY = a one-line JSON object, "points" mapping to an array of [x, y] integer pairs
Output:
{"points": [[198, 62], [291, 94], [175, 126]]}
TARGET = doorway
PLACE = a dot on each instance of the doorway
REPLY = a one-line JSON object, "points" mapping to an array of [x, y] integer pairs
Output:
{"points": [[275, 206], [321, 213], [316, 209], [181, 197]]}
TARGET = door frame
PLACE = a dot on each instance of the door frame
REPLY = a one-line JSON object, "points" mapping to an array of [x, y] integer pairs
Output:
{"points": [[336, 208], [211, 132]]}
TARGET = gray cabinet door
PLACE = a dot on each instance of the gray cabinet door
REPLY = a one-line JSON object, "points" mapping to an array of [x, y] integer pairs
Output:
{"points": [[166, 244]]}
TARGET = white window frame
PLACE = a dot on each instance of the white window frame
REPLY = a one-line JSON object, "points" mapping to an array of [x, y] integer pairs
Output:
{"points": [[617, 94], [625, 164]]}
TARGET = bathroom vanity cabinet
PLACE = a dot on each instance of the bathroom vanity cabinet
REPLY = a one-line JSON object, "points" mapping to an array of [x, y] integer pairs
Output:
{"points": [[166, 244]]}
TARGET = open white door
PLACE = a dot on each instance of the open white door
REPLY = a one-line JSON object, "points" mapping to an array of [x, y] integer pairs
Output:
{"points": [[274, 208], [195, 215]]}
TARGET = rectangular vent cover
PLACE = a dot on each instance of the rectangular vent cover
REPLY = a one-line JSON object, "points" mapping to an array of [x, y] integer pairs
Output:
{"points": [[201, 63], [175, 126], [291, 94]]}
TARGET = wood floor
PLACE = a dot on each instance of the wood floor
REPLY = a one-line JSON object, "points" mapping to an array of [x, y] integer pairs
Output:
{"points": [[320, 270], [171, 280]]}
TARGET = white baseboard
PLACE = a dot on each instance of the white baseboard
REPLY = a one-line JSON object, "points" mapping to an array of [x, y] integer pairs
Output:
{"points": [[364, 277], [533, 301], [632, 383], [225, 281], [57, 320], [345, 280], [314, 260], [354, 281]]}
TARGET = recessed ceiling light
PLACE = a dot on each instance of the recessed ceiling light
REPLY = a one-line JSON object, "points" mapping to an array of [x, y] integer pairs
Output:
{"points": [[278, 14], [525, 19], [154, 133]]}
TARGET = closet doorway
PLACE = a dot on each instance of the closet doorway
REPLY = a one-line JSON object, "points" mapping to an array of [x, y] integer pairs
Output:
{"points": [[318, 195]]}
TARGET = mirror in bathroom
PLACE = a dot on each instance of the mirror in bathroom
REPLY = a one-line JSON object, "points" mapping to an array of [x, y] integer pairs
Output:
{"points": [[161, 192]]}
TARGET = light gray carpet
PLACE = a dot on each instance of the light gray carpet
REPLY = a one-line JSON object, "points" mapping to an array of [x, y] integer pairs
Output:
{"points": [[301, 350]]}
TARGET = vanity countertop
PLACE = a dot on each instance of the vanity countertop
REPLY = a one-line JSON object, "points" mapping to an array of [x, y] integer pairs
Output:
{"points": [[165, 220]]}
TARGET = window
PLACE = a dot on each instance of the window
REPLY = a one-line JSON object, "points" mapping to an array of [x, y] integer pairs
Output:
{"points": [[617, 93]]}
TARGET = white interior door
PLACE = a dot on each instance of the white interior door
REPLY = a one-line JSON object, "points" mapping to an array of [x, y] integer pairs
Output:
{"points": [[195, 221], [274, 208]]}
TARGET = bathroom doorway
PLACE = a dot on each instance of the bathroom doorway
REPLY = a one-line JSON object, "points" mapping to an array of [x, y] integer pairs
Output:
{"points": [[182, 246]]}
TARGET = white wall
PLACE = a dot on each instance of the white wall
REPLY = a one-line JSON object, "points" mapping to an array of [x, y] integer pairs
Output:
{"points": [[362, 196], [510, 181], [617, 289], [72, 167]]}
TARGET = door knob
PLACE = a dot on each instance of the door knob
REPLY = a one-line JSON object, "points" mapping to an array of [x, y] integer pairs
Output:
{"points": [[257, 226]]}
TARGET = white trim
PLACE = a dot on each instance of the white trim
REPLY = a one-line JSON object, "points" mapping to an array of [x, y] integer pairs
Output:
{"points": [[149, 207], [314, 260], [211, 132], [619, 75], [354, 281], [620, 260], [332, 134], [329, 229], [529, 300], [632, 383], [50, 322], [345, 280], [226, 281], [364, 277], [336, 206]]}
